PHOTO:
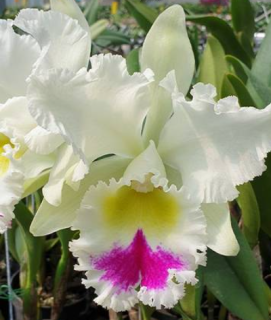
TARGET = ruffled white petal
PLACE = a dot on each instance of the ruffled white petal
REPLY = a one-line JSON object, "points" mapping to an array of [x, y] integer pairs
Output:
{"points": [[42, 141], [63, 42], [174, 291], [107, 295], [107, 105], [214, 149], [18, 53], [11, 189], [221, 237], [49, 218]]}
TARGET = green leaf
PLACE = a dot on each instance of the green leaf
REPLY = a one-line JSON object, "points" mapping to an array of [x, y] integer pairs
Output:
{"points": [[91, 11], [243, 17], [191, 302], [232, 85], [143, 14], [262, 187], [213, 65], [111, 37], [132, 61], [221, 30], [258, 90], [261, 66], [236, 281], [250, 213], [238, 68], [246, 44], [98, 27]]}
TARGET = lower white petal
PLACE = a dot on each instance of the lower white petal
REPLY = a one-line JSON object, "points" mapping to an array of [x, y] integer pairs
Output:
{"points": [[137, 232], [220, 234]]}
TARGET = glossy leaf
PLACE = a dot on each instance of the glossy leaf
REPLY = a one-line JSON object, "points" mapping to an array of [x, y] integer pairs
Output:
{"points": [[221, 30], [236, 281], [250, 213], [213, 65], [143, 14], [243, 17], [132, 61]]}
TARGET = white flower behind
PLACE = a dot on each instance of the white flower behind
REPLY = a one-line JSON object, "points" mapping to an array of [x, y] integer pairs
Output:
{"points": [[53, 40]]}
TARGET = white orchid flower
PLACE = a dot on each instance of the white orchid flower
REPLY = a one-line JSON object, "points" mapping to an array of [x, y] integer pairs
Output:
{"points": [[187, 152], [53, 40]]}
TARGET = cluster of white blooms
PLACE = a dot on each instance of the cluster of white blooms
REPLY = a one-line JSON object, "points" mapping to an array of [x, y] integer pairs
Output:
{"points": [[142, 172]]}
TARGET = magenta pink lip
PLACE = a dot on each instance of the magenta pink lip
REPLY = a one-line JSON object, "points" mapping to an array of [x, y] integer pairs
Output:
{"points": [[137, 264]]}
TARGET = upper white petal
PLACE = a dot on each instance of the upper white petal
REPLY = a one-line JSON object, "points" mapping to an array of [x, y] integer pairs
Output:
{"points": [[99, 112], [18, 53], [167, 47], [216, 150], [63, 42]]}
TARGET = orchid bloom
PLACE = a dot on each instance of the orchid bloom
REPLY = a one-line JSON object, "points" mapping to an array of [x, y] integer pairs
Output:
{"points": [[160, 196], [53, 40]]}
